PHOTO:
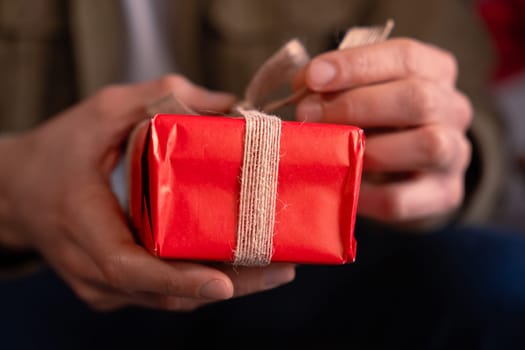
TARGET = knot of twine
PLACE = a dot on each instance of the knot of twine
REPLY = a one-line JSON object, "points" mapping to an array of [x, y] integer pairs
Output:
{"points": [[260, 167]]}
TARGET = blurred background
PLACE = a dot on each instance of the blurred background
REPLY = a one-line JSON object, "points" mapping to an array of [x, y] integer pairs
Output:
{"points": [[505, 24]]}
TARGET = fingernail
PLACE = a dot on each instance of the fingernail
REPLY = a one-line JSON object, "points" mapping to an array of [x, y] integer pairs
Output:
{"points": [[215, 289], [310, 109], [278, 276], [321, 73]]}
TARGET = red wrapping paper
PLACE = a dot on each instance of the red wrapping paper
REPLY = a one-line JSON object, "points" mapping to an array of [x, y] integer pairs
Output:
{"points": [[185, 184]]}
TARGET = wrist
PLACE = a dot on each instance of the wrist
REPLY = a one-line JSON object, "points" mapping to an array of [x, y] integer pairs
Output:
{"points": [[15, 257], [9, 237]]}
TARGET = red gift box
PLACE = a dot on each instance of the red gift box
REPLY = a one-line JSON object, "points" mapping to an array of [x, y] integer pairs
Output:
{"points": [[185, 183]]}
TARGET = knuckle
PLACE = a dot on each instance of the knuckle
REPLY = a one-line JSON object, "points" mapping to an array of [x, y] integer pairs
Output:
{"points": [[65, 219], [465, 153], [465, 111], [171, 82], [361, 62], [436, 146], [90, 296], [347, 104], [106, 99], [450, 64], [170, 286], [392, 206], [83, 293], [409, 54], [422, 95], [113, 270], [108, 91], [455, 194]]}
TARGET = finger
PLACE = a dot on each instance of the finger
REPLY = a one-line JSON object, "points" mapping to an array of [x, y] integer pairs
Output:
{"points": [[248, 280], [411, 200], [126, 266], [429, 148], [115, 109], [390, 60], [103, 298], [194, 96], [73, 260], [120, 107], [402, 103], [130, 268], [298, 80]]}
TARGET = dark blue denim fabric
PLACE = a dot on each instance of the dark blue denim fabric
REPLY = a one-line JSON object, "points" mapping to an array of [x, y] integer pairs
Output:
{"points": [[461, 288]]}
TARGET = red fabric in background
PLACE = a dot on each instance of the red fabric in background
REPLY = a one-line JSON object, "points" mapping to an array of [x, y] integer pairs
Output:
{"points": [[185, 185], [505, 21]]}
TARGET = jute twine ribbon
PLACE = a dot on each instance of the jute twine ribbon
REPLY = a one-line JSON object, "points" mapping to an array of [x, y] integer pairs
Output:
{"points": [[258, 195], [260, 167]]}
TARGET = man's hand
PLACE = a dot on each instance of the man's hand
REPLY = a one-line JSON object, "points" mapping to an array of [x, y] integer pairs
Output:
{"points": [[402, 92], [55, 197]]}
